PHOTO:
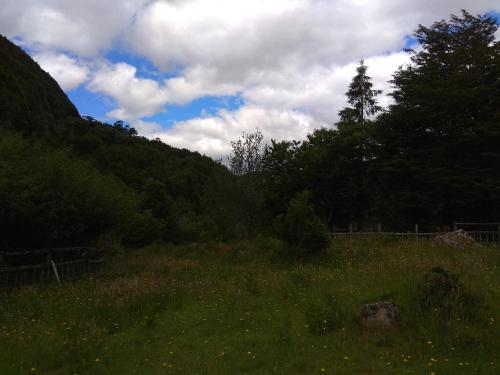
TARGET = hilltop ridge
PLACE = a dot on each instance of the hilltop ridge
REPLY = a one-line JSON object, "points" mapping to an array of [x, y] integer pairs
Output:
{"points": [[29, 96]]}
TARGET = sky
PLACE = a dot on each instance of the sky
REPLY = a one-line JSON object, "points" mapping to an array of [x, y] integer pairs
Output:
{"points": [[199, 73]]}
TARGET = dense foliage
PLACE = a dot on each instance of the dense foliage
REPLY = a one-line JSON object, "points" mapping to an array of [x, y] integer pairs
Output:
{"points": [[432, 158], [67, 180], [301, 228], [47, 198], [438, 154]]}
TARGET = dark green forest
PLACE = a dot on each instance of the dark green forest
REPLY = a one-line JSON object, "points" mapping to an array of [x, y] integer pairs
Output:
{"points": [[432, 157], [67, 180]]}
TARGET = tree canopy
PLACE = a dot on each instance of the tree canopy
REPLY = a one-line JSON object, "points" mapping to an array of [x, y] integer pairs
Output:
{"points": [[431, 157], [438, 144]]}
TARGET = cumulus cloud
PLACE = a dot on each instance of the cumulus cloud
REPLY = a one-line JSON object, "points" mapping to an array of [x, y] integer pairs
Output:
{"points": [[135, 97], [67, 71], [289, 60], [82, 27], [240, 40], [321, 91], [285, 58], [212, 135], [138, 97], [285, 107], [147, 128]]}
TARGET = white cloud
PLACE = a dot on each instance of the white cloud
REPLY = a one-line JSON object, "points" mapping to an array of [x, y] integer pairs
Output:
{"points": [[284, 105], [147, 128], [138, 97], [135, 97], [197, 82], [212, 135], [321, 91], [67, 71], [240, 40], [82, 27], [290, 60], [288, 107], [283, 57]]}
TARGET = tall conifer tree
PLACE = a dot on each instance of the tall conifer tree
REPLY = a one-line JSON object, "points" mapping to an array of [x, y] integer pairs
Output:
{"points": [[362, 98]]}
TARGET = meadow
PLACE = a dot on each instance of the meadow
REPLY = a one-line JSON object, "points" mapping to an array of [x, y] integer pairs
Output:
{"points": [[239, 308]]}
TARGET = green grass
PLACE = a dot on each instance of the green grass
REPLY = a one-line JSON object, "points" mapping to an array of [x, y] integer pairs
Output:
{"points": [[235, 309]]}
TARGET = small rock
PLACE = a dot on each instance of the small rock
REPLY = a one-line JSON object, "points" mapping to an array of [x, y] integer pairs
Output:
{"points": [[457, 239], [379, 315]]}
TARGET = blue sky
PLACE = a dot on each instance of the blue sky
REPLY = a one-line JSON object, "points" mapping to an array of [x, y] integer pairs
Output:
{"points": [[198, 73], [96, 105]]}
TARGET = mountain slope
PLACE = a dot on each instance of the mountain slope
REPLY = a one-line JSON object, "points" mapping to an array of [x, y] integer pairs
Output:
{"points": [[171, 194], [28, 95]]}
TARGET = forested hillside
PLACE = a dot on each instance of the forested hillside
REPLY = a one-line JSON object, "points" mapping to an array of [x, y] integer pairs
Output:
{"points": [[67, 180], [30, 99]]}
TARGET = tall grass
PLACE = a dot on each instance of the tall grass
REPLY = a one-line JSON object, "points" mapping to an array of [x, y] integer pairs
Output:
{"points": [[236, 308]]}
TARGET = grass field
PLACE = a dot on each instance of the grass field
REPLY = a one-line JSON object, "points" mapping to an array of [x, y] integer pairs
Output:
{"points": [[236, 309]]}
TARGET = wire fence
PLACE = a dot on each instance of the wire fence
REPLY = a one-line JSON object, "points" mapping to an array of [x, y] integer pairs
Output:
{"points": [[490, 237], [25, 267]]}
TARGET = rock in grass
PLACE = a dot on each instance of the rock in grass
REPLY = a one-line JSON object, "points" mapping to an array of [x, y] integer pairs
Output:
{"points": [[457, 239], [379, 315]]}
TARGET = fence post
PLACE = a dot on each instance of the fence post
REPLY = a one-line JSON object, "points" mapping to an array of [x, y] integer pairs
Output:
{"points": [[55, 272], [3, 277], [379, 227], [350, 228], [51, 264], [455, 226]]}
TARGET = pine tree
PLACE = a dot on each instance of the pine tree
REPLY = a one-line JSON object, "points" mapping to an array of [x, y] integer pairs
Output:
{"points": [[362, 98]]}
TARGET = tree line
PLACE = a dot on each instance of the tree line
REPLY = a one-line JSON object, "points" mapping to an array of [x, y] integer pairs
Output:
{"points": [[67, 180], [432, 157]]}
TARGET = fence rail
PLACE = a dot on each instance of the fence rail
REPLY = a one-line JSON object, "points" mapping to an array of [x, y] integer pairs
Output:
{"points": [[24, 267], [479, 236]]}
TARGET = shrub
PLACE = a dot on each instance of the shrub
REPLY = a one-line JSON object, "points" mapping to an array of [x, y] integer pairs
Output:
{"points": [[302, 230], [324, 315], [442, 293]]}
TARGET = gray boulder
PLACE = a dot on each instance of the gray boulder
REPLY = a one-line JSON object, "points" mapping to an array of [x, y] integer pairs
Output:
{"points": [[379, 315]]}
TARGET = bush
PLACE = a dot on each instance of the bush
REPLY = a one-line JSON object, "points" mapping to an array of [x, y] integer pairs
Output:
{"points": [[324, 315], [441, 293], [302, 230]]}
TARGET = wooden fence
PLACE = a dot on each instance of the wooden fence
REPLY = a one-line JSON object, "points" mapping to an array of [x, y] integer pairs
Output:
{"points": [[490, 237], [24, 267]]}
